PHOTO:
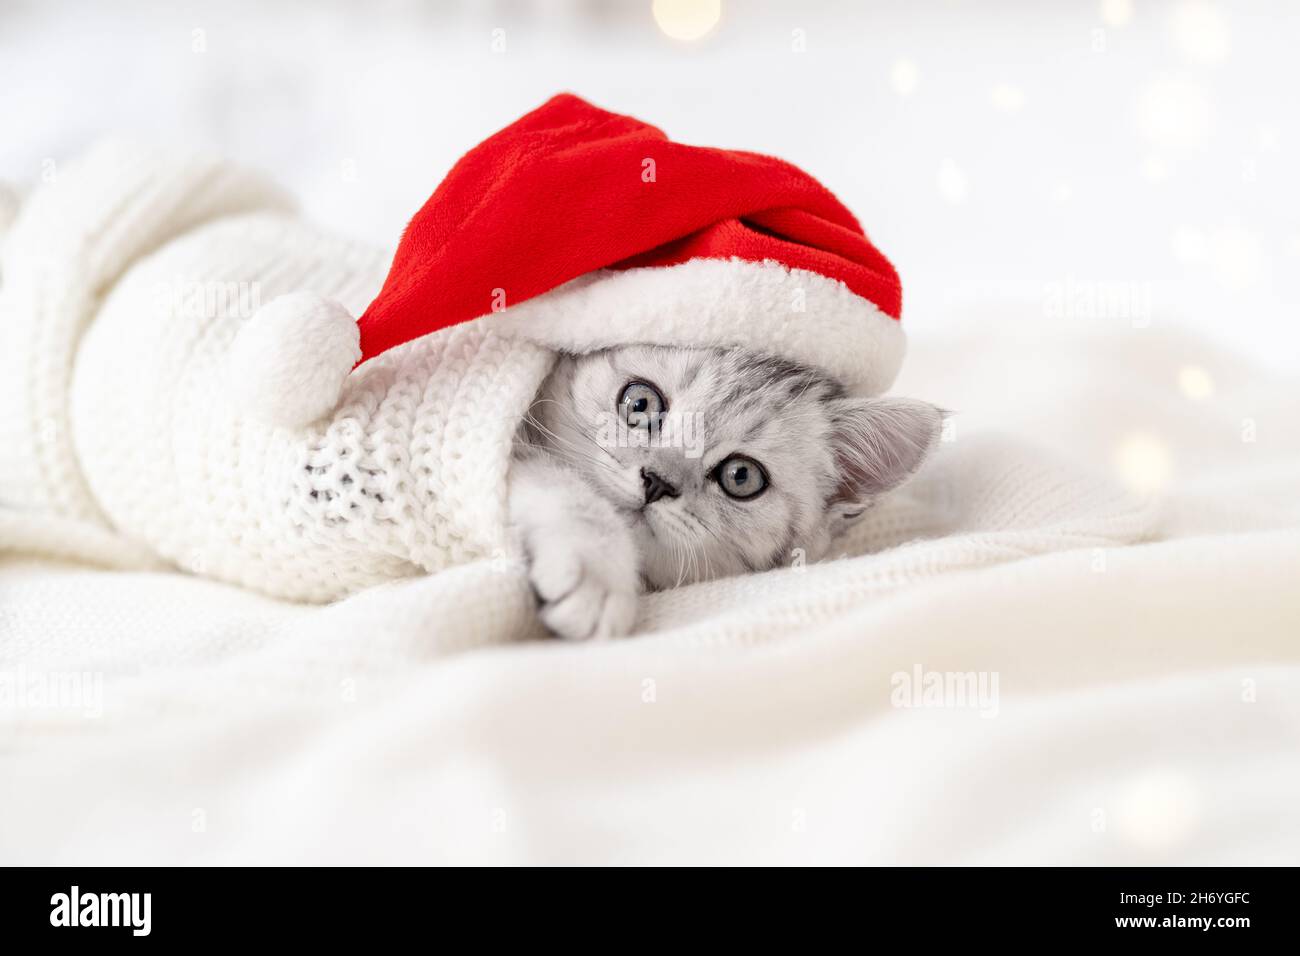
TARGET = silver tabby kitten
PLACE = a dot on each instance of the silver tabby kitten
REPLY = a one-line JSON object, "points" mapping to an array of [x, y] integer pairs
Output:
{"points": [[646, 467]]}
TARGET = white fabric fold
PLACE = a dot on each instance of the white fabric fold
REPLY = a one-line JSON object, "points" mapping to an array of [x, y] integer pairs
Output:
{"points": [[1120, 553]]}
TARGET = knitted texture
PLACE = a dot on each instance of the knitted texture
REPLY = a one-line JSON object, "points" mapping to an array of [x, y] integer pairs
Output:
{"points": [[408, 475], [125, 284], [70, 242]]}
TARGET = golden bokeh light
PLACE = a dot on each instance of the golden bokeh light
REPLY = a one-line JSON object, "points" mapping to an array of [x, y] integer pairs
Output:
{"points": [[1158, 810], [1116, 13], [1143, 463], [1195, 383], [687, 19]]}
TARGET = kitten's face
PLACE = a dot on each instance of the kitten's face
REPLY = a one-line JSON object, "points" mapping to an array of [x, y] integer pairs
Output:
{"points": [[723, 461]]}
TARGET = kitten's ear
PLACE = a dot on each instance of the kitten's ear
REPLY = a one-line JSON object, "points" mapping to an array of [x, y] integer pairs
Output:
{"points": [[878, 442]]}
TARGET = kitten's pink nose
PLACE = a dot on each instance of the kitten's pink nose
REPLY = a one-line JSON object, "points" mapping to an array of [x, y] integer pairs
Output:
{"points": [[656, 486]]}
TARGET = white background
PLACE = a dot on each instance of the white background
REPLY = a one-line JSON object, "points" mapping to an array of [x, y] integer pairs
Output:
{"points": [[1046, 152]]}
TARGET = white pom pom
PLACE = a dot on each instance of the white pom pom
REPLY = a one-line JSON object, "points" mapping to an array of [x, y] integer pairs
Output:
{"points": [[290, 360]]}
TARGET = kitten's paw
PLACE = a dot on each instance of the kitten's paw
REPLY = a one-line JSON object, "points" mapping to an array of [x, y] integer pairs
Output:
{"points": [[583, 596]]}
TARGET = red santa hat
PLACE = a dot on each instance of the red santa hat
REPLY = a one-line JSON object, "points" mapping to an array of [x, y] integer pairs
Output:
{"points": [[581, 229]]}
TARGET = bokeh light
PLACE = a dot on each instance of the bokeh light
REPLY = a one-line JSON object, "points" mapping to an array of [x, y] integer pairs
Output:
{"points": [[1200, 32], [904, 76], [1174, 111], [1116, 13], [687, 19], [1143, 463], [1195, 382], [1158, 810], [1007, 98]]}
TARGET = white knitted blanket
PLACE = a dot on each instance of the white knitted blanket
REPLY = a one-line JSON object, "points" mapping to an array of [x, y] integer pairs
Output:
{"points": [[1147, 655], [125, 284]]}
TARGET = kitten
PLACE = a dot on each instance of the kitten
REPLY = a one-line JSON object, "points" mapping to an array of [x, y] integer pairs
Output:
{"points": [[646, 467]]}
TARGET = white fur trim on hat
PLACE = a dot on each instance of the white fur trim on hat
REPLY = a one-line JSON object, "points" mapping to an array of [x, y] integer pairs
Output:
{"points": [[761, 306], [290, 360]]}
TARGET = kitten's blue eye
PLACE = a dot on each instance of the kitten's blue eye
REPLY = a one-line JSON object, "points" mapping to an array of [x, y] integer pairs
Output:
{"points": [[640, 404], [740, 477]]}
